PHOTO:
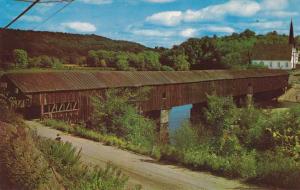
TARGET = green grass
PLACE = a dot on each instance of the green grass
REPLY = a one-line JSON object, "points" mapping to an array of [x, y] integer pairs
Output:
{"points": [[80, 131]]}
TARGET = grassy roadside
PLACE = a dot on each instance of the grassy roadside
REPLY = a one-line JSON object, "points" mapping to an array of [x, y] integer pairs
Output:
{"points": [[111, 140]]}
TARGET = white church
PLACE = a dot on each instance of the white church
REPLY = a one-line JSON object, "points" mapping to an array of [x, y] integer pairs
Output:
{"points": [[278, 56]]}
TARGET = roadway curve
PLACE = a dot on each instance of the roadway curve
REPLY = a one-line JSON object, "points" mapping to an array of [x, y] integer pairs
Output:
{"points": [[142, 169]]}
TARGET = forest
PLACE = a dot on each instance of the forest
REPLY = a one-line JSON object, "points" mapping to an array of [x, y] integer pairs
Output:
{"points": [[27, 49]]}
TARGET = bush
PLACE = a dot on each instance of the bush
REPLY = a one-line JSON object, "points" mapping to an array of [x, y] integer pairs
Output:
{"points": [[22, 164], [166, 68], [115, 115], [185, 137], [8, 115], [66, 160], [277, 169], [221, 113]]}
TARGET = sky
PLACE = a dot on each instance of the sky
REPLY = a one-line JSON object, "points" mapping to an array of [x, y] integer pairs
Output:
{"points": [[156, 22]]}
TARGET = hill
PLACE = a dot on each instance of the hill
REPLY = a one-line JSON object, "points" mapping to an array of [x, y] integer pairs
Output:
{"points": [[60, 45]]}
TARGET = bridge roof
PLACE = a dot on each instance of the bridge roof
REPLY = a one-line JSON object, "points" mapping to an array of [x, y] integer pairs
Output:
{"points": [[34, 82]]}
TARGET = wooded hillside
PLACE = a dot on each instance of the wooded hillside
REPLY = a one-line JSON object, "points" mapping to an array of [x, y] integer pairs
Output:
{"points": [[60, 45]]}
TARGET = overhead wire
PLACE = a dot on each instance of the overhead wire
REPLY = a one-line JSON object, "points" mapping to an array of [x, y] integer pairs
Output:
{"points": [[53, 14], [21, 14]]}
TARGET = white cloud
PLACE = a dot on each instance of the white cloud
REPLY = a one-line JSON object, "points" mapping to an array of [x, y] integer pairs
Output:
{"points": [[159, 1], [189, 32], [31, 18], [220, 29], [274, 4], [281, 13], [153, 33], [168, 18], [80, 26], [244, 8], [97, 2]]}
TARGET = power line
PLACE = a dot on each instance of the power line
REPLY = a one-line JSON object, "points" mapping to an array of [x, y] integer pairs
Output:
{"points": [[52, 15], [26, 10]]}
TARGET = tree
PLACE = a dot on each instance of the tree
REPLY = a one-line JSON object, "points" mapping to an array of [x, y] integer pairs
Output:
{"points": [[122, 62], [152, 60], [181, 63], [93, 59], [116, 113], [21, 58], [46, 61]]}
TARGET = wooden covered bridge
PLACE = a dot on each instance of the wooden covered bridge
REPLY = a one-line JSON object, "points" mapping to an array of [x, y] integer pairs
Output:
{"points": [[65, 95]]}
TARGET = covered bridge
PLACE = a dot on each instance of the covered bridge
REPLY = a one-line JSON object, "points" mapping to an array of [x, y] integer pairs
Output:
{"points": [[65, 94]]}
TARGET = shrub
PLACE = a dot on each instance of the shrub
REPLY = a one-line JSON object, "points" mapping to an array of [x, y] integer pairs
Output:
{"points": [[20, 161], [221, 113], [115, 115], [185, 137], [277, 169], [8, 115], [166, 68], [66, 160]]}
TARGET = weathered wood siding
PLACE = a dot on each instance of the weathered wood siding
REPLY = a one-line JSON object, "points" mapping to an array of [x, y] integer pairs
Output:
{"points": [[162, 96]]}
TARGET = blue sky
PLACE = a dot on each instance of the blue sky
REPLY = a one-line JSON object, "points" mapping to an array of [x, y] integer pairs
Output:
{"points": [[157, 22]]}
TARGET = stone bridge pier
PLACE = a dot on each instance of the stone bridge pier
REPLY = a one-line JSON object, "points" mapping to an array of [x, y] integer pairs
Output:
{"points": [[161, 117]]}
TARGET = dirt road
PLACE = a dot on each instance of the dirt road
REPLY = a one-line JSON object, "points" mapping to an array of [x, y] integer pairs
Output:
{"points": [[142, 169]]}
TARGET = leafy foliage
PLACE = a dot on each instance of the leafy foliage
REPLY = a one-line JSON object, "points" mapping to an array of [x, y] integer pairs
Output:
{"points": [[65, 159], [20, 58], [22, 165], [118, 115], [257, 145]]}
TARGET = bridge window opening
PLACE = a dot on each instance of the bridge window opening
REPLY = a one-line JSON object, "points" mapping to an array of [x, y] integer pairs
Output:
{"points": [[278, 64], [286, 64], [61, 107], [164, 95]]}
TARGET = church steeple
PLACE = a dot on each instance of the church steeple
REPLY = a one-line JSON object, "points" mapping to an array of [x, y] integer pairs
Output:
{"points": [[291, 37]]}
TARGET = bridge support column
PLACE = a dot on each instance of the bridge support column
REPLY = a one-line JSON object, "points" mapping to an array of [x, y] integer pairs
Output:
{"points": [[197, 112], [161, 117]]}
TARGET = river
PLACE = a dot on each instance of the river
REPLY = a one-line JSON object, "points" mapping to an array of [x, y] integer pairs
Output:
{"points": [[182, 113]]}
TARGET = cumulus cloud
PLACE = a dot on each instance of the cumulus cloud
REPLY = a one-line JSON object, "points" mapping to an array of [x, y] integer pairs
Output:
{"points": [[80, 26], [97, 2], [168, 18], [31, 18], [281, 14], [220, 29], [275, 4], [189, 32], [159, 1], [244, 8], [153, 33]]}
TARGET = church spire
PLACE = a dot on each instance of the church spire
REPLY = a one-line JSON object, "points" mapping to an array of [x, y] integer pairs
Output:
{"points": [[291, 37]]}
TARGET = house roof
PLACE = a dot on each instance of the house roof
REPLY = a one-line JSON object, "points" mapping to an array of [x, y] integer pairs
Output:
{"points": [[88, 80], [272, 52]]}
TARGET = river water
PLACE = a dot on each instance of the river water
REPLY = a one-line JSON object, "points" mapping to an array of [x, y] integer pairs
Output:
{"points": [[182, 113]]}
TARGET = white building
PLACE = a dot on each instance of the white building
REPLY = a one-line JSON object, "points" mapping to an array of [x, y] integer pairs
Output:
{"points": [[277, 56]]}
